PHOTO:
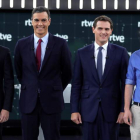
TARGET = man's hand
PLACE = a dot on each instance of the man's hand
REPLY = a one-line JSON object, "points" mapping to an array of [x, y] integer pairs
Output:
{"points": [[4, 116], [120, 118], [128, 117], [76, 118]]}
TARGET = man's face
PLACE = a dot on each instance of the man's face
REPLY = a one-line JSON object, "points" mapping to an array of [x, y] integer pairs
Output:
{"points": [[102, 32], [40, 24]]}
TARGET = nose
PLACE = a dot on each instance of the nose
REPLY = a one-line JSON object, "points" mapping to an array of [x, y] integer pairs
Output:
{"points": [[40, 23], [103, 31]]}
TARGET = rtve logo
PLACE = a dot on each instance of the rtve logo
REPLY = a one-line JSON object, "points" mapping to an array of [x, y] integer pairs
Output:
{"points": [[86, 23], [7, 37], [119, 38], [66, 37], [28, 22]]}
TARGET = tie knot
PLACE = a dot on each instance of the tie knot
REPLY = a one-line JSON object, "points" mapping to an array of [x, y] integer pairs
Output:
{"points": [[100, 48], [40, 40]]}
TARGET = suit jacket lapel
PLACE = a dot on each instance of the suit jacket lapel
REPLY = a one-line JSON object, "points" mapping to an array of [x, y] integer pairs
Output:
{"points": [[49, 48], [109, 61], [31, 45], [92, 64]]}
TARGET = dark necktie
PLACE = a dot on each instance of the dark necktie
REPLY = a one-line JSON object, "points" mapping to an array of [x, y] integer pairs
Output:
{"points": [[99, 63], [38, 54]]}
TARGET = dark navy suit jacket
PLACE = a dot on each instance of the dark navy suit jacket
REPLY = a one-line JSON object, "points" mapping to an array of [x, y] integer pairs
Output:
{"points": [[54, 76], [87, 91], [6, 79]]}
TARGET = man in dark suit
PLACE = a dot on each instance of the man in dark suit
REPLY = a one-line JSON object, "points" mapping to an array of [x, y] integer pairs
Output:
{"points": [[97, 97], [43, 67], [6, 85]]}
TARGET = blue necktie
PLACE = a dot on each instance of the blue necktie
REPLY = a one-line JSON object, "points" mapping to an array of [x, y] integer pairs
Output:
{"points": [[99, 63]]}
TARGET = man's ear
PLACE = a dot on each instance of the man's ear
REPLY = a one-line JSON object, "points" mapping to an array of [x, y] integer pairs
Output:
{"points": [[49, 21], [32, 22], [93, 29], [111, 31]]}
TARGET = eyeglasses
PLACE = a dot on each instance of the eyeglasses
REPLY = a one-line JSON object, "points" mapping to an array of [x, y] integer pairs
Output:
{"points": [[42, 20]]}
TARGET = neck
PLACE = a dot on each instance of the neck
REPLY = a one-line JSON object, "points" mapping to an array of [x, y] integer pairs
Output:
{"points": [[101, 43], [41, 35]]}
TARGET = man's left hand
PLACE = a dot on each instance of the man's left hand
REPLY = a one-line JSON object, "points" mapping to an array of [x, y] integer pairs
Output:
{"points": [[4, 116], [120, 118]]}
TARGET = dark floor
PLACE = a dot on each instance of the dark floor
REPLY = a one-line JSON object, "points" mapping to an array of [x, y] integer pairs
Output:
{"points": [[62, 138], [68, 131]]}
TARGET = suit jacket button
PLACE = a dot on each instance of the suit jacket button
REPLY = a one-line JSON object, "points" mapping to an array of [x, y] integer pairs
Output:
{"points": [[99, 99]]}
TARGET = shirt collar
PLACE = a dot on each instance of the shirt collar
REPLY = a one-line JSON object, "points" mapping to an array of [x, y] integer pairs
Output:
{"points": [[97, 46], [44, 39]]}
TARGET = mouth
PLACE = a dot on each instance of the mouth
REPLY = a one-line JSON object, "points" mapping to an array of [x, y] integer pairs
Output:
{"points": [[103, 36], [40, 28]]}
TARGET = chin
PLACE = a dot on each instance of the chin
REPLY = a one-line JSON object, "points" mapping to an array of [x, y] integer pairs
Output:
{"points": [[40, 33], [103, 42]]}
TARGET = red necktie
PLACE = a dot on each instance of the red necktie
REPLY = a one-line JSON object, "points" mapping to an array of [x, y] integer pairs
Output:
{"points": [[38, 54]]}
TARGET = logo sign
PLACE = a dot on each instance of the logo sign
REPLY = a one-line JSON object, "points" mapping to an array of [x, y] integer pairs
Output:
{"points": [[7, 37], [28, 22], [62, 36], [118, 38], [86, 23]]}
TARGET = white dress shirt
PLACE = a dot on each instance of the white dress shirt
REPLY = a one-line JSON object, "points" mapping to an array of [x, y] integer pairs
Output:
{"points": [[104, 54], [43, 46]]}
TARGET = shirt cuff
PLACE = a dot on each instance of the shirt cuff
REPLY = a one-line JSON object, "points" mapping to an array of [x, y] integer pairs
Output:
{"points": [[130, 82]]}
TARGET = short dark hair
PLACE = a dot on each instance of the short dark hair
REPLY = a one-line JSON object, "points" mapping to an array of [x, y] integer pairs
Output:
{"points": [[40, 9], [103, 18]]}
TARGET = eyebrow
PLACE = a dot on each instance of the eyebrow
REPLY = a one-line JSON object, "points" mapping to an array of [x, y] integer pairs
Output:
{"points": [[40, 19], [102, 28]]}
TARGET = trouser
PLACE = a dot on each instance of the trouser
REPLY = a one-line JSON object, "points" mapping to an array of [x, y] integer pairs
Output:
{"points": [[50, 124], [0, 131], [100, 129], [135, 127]]}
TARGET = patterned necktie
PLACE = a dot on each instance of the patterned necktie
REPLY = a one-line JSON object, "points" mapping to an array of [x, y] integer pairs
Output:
{"points": [[38, 54], [99, 63]]}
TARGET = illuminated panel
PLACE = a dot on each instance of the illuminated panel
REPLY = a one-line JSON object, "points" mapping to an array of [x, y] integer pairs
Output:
{"points": [[11, 3], [81, 4]]}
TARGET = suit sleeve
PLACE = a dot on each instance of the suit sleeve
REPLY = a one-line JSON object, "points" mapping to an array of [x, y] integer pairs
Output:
{"points": [[76, 84], [66, 66], [8, 82], [18, 63], [124, 65]]}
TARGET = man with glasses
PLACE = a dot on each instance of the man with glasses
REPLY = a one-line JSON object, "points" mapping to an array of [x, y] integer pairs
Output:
{"points": [[43, 67]]}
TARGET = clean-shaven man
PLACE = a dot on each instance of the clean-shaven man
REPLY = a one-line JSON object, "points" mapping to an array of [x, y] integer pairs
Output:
{"points": [[97, 96], [43, 67]]}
